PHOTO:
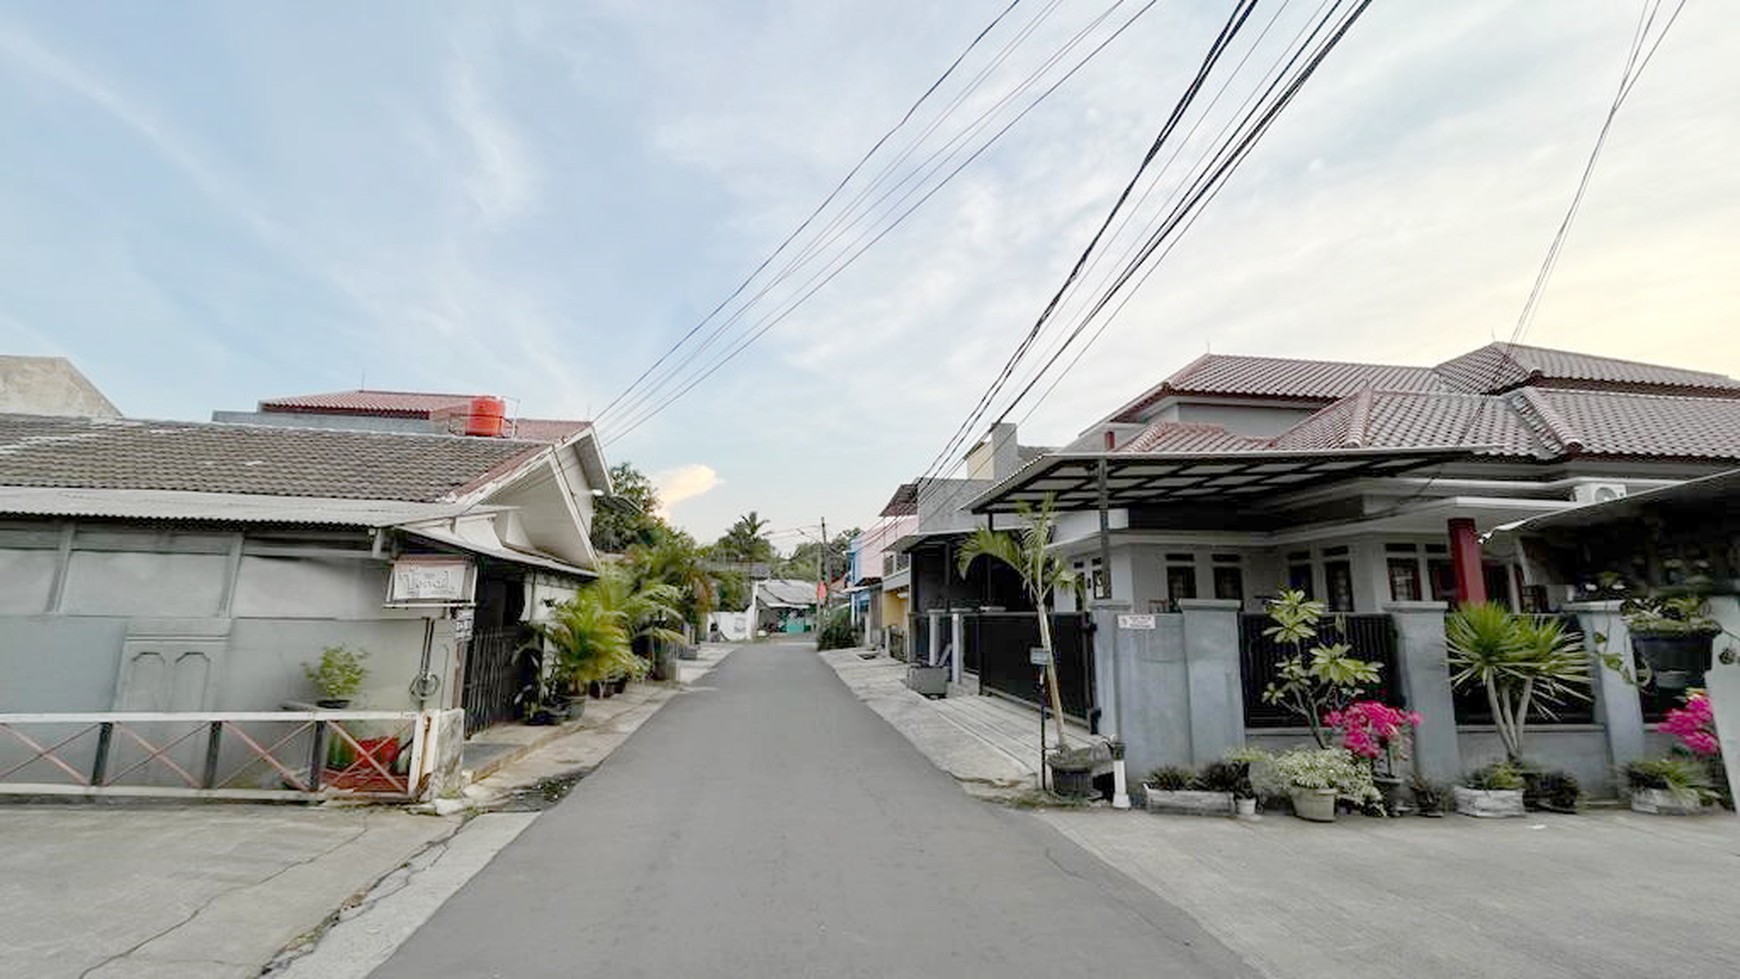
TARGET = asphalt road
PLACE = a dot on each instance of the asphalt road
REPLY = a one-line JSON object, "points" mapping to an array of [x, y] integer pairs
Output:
{"points": [[772, 825]]}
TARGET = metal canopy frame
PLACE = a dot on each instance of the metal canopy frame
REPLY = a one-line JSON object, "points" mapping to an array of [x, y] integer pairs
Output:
{"points": [[1135, 479]]}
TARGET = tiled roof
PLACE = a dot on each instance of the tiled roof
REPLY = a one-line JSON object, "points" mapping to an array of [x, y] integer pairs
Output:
{"points": [[386, 404], [251, 459], [1499, 366], [1190, 437], [546, 429], [1528, 423]]}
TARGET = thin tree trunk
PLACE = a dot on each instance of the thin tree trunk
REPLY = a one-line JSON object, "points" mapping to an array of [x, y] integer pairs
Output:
{"points": [[1051, 672], [1499, 719], [1521, 720]]}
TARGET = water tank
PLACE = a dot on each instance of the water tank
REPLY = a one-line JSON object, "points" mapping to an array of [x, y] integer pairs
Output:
{"points": [[487, 418]]}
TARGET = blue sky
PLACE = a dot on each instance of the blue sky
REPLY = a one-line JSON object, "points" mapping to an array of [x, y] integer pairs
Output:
{"points": [[209, 204]]}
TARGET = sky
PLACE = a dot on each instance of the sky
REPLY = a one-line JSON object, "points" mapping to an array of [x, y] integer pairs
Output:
{"points": [[207, 204]]}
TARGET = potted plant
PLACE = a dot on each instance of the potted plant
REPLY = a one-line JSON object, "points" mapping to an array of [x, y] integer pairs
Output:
{"points": [[1377, 733], [1694, 726], [1173, 789], [1316, 683], [1676, 785], [1072, 770], [549, 695], [338, 676], [1429, 797], [1526, 665], [1673, 635], [1316, 777], [1551, 791], [1492, 792]]}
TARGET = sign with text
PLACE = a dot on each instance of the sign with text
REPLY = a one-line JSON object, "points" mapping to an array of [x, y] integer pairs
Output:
{"points": [[421, 580], [1039, 655], [1135, 622], [462, 620]]}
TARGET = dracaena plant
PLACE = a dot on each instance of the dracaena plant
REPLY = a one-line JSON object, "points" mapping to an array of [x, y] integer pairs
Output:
{"points": [[1316, 682], [1526, 666]]}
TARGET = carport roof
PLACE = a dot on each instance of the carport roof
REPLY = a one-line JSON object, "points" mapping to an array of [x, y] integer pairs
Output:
{"points": [[1150, 479]]}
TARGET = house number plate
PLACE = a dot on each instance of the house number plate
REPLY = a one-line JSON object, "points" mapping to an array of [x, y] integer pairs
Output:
{"points": [[1135, 622]]}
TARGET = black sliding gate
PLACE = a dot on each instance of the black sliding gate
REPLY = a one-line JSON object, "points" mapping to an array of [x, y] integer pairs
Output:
{"points": [[996, 648]]}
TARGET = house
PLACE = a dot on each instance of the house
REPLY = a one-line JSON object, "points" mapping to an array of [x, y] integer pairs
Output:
{"points": [[49, 386], [775, 605], [1367, 486], [150, 565], [878, 578], [413, 412]]}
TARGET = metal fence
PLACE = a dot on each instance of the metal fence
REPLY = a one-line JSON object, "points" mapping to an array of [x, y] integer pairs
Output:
{"points": [[997, 645], [260, 755], [495, 672], [1372, 638]]}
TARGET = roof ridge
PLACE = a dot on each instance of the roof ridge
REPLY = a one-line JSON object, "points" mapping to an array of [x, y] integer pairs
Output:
{"points": [[1546, 422], [1616, 360], [1358, 419]]}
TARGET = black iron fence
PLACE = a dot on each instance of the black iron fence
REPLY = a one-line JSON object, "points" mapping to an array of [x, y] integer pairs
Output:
{"points": [[997, 646], [1372, 638], [494, 674]]}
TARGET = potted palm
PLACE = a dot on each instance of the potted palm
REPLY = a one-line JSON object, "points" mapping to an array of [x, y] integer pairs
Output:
{"points": [[338, 676], [1042, 573]]}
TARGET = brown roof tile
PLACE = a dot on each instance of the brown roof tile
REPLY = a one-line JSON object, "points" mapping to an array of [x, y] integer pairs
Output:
{"points": [[1190, 437], [253, 459], [386, 404], [1499, 367]]}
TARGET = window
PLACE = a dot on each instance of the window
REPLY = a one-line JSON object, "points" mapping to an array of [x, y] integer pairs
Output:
{"points": [[1404, 579], [1229, 582], [1443, 576], [1299, 579], [1338, 581], [1180, 581], [1395, 548]]}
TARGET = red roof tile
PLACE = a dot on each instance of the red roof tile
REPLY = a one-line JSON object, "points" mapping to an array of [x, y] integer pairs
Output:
{"points": [[1499, 367]]}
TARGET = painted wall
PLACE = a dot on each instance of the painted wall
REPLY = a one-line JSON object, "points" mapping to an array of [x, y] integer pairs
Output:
{"points": [[103, 616]]}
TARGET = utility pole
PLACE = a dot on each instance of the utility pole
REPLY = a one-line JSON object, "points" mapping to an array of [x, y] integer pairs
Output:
{"points": [[822, 577]]}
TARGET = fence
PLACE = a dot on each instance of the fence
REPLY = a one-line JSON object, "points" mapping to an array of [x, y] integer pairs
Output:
{"points": [[997, 646], [495, 672], [258, 755], [1372, 638]]}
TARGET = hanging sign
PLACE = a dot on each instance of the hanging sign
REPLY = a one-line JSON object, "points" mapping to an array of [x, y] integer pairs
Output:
{"points": [[1135, 621], [462, 619], [1039, 656], [430, 580]]}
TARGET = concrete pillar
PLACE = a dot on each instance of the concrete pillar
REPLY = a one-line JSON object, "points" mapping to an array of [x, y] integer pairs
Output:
{"points": [[933, 640], [1465, 561], [956, 635], [1211, 655], [1109, 676], [1616, 704], [1421, 664]]}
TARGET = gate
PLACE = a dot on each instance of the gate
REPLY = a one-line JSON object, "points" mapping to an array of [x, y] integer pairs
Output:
{"points": [[998, 643], [1371, 636], [495, 672]]}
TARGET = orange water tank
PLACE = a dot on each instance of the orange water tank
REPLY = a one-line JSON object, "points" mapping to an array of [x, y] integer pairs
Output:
{"points": [[488, 416]]}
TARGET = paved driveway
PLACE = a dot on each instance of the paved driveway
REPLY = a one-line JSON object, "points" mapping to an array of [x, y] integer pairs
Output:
{"points": [[1608, 894]]}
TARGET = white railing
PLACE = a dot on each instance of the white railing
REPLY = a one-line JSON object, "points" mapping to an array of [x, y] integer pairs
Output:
{"points": [[261, 755]]}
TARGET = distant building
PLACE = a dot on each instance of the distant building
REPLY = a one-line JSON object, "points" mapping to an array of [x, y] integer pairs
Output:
{"points": [[411, 412], [49, 386]]}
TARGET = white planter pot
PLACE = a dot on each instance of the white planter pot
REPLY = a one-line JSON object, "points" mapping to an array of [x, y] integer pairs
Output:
{"points": [[1245, 808], [1661, 802], [1489, 803], [1316, 805], [1186, 802]]}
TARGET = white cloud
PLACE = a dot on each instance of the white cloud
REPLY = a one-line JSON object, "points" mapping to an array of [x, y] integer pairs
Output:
{"points": [[503, 179], [683, 483]]}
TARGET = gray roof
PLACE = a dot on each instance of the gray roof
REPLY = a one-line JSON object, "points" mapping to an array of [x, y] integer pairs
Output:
{"points": [[55, 501], [259, 460], [791, 592]]}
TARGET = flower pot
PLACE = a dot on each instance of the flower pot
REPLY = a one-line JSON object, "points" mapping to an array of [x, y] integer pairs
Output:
{"points": [[1072, 783], [1390, 788], [1188, 802], [1676, 658], [620, 684], [1245, 808], [1664, 802], [1488, 803], [1315, 805]]}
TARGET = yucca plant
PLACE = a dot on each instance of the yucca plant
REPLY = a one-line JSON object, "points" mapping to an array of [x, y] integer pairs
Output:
{"points": [[1524, 664], [1042, 572]]}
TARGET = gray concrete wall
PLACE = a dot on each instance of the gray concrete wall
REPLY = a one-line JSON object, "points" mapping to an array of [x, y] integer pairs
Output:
{"points": [[1580, 749], [1243, 419], [1150, 710], [120, 617], [1216, 697]]}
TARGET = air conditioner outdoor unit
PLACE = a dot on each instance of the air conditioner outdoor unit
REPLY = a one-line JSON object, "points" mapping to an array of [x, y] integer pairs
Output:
{"points": [[1597, 492]]}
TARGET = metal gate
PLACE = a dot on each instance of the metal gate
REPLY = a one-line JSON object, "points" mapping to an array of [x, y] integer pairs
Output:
{"points": [[495, 672], [998, 643]]}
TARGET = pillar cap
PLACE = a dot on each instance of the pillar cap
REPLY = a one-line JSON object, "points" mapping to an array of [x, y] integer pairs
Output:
{"points": [[1439, 607], [1603, 605], [1209, 604]]}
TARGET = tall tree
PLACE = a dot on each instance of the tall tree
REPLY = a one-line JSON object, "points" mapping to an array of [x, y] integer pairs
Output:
{"points": [[745, 541], [630, 515]]}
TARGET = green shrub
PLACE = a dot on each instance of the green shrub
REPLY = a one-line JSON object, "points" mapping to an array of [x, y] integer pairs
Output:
{"points": [[1228, 776], [1554, 790], [340, 673], [1430, 796], [1172, 778], [1500, 776], [837, 631], [1674, 773], [1327, 768]]}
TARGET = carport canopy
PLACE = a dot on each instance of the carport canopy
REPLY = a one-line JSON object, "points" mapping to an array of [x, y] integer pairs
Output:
{"points": [[1145, 479]]}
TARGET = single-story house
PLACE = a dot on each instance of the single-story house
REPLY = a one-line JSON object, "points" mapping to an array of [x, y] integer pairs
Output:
{"points": [[150, 565], [1367, 486]]}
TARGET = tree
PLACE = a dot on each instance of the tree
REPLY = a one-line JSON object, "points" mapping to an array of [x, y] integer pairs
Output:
{"points": [[803, 562], [629, 516], [1041, 571], [1523, 663], [1311, 686], [746, 541], [676, 561]]}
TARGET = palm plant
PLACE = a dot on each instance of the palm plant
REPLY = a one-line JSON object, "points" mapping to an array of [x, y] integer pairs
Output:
{"points": [[677, 562], [645, 609], [1027, 552], [588, 639], [1524, 664]]}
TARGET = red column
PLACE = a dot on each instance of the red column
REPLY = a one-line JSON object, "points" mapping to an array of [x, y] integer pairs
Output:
{"points": [[1465, 561]]}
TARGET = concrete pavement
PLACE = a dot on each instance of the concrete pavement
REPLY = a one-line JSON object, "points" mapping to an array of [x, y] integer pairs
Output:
{"points": [[774, 826]]}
